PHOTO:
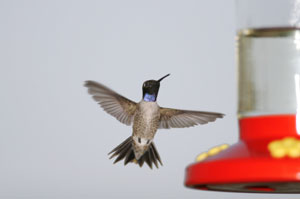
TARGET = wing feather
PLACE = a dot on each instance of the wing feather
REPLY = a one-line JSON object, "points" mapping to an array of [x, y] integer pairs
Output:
{"points": [[176, 118], [113, 103]]}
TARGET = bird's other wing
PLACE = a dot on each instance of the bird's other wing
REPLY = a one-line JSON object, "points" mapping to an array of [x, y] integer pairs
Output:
{"points": [[113, 103], [175, 118]]}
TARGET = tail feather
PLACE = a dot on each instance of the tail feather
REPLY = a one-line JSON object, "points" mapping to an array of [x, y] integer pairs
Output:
{"points": [[141, 161], [129, 157], [125, 150], [152, 156], [145, 158], [157, 157], [122, 153], [120, 147], [148, 158]]}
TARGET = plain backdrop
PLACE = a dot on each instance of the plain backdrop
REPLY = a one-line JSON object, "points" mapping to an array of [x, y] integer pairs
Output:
{"points": [[54, 138]]}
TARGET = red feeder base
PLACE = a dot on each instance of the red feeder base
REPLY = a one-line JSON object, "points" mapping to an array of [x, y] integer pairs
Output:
{"points": [[248, 165]]}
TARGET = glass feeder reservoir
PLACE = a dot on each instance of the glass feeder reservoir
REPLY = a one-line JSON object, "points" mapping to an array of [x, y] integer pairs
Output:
{"points": [[267, 156]]}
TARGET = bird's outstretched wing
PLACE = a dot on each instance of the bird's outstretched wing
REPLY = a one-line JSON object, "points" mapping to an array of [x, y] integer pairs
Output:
{"points": [[113, 103], [175, 118]]}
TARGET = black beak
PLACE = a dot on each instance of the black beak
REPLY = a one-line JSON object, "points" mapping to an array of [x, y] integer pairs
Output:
{"points": [[163, 77]]}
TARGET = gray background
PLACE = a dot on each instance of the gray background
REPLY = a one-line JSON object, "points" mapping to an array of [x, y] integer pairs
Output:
{"points": [[54, 138]]}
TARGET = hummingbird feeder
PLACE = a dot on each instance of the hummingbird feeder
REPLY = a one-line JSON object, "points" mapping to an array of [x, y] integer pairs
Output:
{"points": [[266, 159]]}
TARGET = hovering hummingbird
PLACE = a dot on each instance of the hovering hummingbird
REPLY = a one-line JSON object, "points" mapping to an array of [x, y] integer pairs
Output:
{"points": [[146, 116]]}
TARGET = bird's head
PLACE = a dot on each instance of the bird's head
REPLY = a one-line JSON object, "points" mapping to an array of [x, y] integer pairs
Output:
{"points": [[150, 89]]}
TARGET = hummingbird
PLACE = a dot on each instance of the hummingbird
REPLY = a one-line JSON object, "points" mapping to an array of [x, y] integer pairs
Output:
{"points": [[146, 117]]}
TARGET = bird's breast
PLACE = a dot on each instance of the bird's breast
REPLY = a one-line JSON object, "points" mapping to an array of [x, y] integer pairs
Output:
{"points": [[149, 110], [146, 119]]}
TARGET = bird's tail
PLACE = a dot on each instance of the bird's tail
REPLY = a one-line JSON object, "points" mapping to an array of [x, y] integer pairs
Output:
{"points": [[125, 150]]}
